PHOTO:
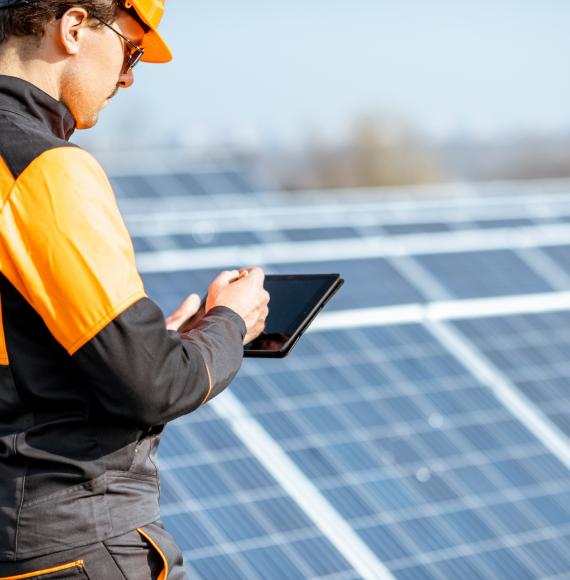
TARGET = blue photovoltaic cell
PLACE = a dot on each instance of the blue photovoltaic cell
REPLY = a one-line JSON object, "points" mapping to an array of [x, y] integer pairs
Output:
{"points": [[133, 186], [190, 184], [483, 274], [370, 282], [533, 351], [414, 453], [242, 182], [198, 240], [481, 224], [329, 233], [215, 183], [503, 223], [215, 239], [560, 254], [417, 228], [141, 244], [229, 516]]}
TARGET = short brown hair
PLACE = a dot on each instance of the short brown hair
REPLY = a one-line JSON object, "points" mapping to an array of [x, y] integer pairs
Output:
{"points": [[32, 18]]}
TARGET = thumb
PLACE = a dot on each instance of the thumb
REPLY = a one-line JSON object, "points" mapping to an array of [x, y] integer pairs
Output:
{"points": [[188, 308]]}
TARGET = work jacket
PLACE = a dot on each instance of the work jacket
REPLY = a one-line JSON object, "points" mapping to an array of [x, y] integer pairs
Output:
{"points": [[88, 372]]}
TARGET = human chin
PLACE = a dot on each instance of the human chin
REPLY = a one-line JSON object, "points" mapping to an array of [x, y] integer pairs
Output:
{"points": [[86, 119]]}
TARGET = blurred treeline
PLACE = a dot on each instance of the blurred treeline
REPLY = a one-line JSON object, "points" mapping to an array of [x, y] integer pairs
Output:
{"points": [[374, 151], [387, 152]]}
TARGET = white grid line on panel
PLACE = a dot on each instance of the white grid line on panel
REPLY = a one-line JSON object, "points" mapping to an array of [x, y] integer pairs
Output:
{"points": [[400, 209], [292, 479], [423, 280], [453, 309], [545, 267]]}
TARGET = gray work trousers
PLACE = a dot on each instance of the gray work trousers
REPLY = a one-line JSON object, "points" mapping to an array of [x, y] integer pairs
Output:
{"points": [[138, 555]]}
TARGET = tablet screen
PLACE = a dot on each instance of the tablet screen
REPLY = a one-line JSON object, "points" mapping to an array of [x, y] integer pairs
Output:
{"points": [[293, 299]]}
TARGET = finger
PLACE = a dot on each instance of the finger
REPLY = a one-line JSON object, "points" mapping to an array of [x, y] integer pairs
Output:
{"points": [[226, 277], [242, 274], [256, 277], [256, 271], [190, 306]]}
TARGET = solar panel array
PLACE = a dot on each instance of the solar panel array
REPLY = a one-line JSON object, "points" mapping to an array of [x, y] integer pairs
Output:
{"points": [[420, 430]]}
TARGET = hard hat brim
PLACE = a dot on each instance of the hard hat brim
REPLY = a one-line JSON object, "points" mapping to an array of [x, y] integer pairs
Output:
{"points": [[155, 49]]}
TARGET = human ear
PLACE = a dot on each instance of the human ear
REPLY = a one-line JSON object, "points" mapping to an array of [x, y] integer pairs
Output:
{"points": [[71, 27]]}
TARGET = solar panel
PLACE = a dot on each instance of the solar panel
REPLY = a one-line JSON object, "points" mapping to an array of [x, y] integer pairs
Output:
{"points": [[201, 238], [133, 187], [491, 273], [193, 183], [419, 430], [412, 450], [533, 351], [229, 516]]}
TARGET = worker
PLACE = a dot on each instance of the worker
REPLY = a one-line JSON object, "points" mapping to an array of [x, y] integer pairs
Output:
{"points": [[90, 370]]}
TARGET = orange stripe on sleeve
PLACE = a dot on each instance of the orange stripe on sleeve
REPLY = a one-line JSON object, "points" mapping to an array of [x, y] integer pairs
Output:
{"points": [[3, 350], [65, 247]]}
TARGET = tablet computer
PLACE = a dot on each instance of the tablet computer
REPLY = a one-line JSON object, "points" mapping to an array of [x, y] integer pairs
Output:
{"points": [[295, 301]]}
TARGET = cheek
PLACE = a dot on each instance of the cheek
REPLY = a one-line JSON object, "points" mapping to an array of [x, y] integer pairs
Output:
{"points": [[104, 70], [112, 66], [112, 72]]}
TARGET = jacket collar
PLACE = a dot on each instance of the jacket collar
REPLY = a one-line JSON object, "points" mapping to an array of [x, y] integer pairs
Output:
{"points": [[21, 97]]}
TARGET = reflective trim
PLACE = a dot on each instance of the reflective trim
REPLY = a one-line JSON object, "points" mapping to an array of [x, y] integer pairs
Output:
{"points": [[76, 564], [204, 400], [164, 572]]}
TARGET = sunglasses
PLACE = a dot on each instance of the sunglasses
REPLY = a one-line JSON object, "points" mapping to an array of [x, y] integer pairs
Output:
{"points": [[133, 53]]}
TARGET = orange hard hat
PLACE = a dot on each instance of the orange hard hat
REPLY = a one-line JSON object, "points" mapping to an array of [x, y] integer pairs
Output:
{"points": [[150, 12]]}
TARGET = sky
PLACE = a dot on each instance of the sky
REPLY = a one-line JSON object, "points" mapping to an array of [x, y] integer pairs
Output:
{"points": [[277, 71]]}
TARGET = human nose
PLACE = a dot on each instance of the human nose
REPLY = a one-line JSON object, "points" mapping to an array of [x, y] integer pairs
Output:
{"points": [[126, 79]]}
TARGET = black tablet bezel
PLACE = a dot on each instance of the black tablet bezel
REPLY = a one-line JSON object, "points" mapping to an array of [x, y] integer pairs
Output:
{"points": [[335, 283]]}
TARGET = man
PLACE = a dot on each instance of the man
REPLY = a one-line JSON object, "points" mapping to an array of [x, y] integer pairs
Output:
{"points": [[89, 373]]}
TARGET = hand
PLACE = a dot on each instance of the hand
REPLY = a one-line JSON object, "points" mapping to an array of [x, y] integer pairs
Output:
{"points": [[187, 309], [243, 292]]}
